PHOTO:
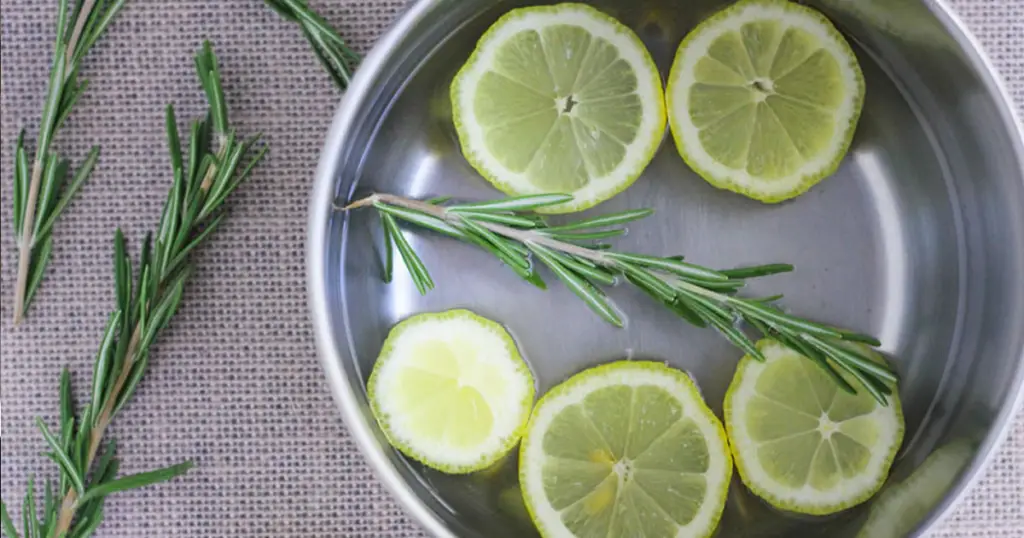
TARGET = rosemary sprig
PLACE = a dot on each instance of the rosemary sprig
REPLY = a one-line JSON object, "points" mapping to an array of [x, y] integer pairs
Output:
{"points": [[704, 297], [202, 180], [44, 188], [332, 51]]}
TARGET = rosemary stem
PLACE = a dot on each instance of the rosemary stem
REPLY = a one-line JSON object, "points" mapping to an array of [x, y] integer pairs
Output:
{"points": [[701, 296], [26, 241], [69, 505], [83, 16], [524, 236]]}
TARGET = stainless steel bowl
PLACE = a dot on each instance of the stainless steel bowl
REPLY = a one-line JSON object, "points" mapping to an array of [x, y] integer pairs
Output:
{"points": [[919, 239]]}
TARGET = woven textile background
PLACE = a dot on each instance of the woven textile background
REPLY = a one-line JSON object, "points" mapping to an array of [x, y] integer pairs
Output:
{"points": [[234, 383]]}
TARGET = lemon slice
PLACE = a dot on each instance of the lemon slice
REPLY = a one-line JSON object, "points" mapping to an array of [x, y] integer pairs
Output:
{"points": [[901, 506], [799, 441], [763, 99], [451, 391], [625, 449], [559, 99]]}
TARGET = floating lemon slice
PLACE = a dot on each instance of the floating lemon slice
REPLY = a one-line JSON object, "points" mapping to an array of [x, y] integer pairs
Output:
{"points": [[799, 441], [763, 99], [625, 449], [559, 99], [451, 391]]}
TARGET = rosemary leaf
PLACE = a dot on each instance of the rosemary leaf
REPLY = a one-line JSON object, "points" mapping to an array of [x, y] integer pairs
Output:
{"points": [[852, 358], [685, 311], [21, 182], [510, 254], [53, 172], [103, 18], [733, 334], [135, 481], [417, 270], [779, 318], [48, 509], [67, 411], [69, 101], [421, 219], [332, 60], [515, 203], [209, 77], [760, 326], [83, 173], [585, 236], [856, 337], [757, 270], [122, 272], [29, 524], [534, 278], [40, 259], [797, 344], [52, 103], [183, 252], [29, 514], [328, 46], [87, 526], [583, 289], [6, 523], [61, 457], [500, 218], [766, 300], [389, 255], [512, 263], [644, 279], [678, 267], [611, 219], [438, 200], [588, 271]]}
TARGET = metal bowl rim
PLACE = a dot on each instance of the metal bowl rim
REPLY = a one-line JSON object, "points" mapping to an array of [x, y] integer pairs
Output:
{"points": [[322, 203]]}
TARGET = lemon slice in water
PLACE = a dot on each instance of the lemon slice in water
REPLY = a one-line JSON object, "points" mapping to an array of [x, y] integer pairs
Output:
{"points": [[559, 99], [763, 99], [625, 449], [451, 391], [799, 441]]}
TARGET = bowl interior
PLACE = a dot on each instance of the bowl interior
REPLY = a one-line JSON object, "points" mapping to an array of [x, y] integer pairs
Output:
{"points": [[918, 239]]}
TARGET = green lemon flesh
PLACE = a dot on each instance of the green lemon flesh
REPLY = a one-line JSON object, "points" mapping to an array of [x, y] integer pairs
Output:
{"points": [[800, 441], [559, 99], [451, 390], [764, 98], [625, 449]]}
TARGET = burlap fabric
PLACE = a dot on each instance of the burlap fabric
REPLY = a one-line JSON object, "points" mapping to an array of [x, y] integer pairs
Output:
{"points": [[234, 383]]}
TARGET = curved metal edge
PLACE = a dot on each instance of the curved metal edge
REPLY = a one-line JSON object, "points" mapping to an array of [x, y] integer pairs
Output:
{"points": [[321, 203], [1014, 403], [320, 206]]}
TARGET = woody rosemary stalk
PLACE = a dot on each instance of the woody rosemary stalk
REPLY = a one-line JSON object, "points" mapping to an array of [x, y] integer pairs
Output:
{"points": [[42, 190], [334, 54], [202, 180], [704, 297]]}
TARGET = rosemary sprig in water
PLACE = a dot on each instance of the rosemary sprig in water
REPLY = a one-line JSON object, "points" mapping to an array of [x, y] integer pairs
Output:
{"points": [[332, 51], [42, 189], [203, 179], [704, 297]]}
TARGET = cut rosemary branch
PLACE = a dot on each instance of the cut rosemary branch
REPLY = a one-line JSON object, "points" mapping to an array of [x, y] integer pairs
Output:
{"points": [[202, 180], [704, 297], [43, 189], [336, 57]]}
